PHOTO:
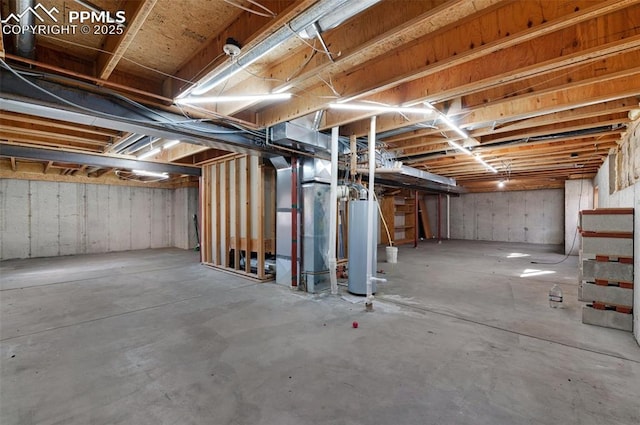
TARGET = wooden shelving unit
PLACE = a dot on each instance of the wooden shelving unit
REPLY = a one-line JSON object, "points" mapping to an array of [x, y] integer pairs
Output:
{"points": [[399, 211]]}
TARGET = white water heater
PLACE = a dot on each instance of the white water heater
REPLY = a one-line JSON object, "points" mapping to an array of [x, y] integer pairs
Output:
{"points": [[358, 246]]}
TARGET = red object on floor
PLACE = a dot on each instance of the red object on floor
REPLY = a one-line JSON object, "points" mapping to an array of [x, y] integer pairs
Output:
{"points": [[354, 324]]}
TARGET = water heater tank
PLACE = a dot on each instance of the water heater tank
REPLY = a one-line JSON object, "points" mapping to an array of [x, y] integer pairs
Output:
{"points": [[358, 247]]}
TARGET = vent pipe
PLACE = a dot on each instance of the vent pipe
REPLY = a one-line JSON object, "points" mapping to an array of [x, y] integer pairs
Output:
{"points": [[25, 41]]}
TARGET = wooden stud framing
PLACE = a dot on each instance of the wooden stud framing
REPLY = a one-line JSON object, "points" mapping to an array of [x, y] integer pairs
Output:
{"points": [[227, 207], [260, 210], [236, 212], [236, 188], [217, 206], [248, 214]]}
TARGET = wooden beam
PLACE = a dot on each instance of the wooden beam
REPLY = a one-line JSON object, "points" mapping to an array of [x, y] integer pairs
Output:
{"points": [[137, 87], [538, 58], [33, 171], [6, 117], [26, 129], [453, 46], [387, 24], [1, 43], [115, 46], [14, 165], [619, 85]]}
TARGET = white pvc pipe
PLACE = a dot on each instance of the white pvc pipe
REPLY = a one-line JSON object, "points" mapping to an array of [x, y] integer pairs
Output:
{"points": [[370, 210], [333, 211]]}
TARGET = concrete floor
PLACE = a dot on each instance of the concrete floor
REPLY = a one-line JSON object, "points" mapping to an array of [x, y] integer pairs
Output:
{"points": [[461, 334]]}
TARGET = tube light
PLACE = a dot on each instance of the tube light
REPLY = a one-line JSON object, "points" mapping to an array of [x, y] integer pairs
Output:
{"points": [[378, 108], [454, 127], [231, 98], [170, 144], [149, 153], [150, 174], [483, 162], [460, 147]]}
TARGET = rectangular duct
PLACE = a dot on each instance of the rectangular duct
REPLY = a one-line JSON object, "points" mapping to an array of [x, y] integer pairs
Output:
{"points": [[299, 137]]}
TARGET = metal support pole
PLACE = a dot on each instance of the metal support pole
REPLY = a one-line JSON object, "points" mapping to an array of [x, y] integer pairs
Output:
{"points": [[294, 221], [333, 211], [439, 218], [370, 212]]}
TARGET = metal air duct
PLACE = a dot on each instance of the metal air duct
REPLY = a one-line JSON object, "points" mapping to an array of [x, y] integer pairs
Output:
{"points": [[25, 40]]}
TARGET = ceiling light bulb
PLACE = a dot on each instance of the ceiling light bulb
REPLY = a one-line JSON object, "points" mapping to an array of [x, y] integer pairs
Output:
{"points": [[501, 184]]}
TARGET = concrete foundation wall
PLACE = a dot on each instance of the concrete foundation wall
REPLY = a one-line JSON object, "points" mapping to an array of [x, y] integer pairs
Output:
{"points": [[185, 206], [626, 198], [535, 216], [43, 219]]}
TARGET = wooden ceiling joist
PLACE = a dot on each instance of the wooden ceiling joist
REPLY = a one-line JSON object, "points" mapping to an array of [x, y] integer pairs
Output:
{"points": [[116, 45]]}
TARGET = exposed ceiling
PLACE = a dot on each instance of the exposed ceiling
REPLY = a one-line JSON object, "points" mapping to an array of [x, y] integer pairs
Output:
{"points": [[544, 88]]}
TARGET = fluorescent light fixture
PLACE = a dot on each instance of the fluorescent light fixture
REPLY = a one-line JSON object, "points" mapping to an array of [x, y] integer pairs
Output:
{"points": [[483, 162], [149, 153], [150, 174], [453, 127], [460, 147], [463, 134], [232, 98], [327, 13], [468, 152], [448, 121], [283, 89], [210, 82], [378, 108], [170, 144]]}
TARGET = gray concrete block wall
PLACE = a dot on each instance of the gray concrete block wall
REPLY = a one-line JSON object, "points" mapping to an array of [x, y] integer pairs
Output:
{"points": [[42, 219], [535, 216], [626, 198]]}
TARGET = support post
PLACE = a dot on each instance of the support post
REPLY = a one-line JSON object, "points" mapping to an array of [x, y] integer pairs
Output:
{"points": [[294, 221], [370, 215], [439, 217], [333, 211]]}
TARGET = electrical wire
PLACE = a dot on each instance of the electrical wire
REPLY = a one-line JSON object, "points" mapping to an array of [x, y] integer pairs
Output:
{"points": [[269, 13], [148, 68], [164, 121]]}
